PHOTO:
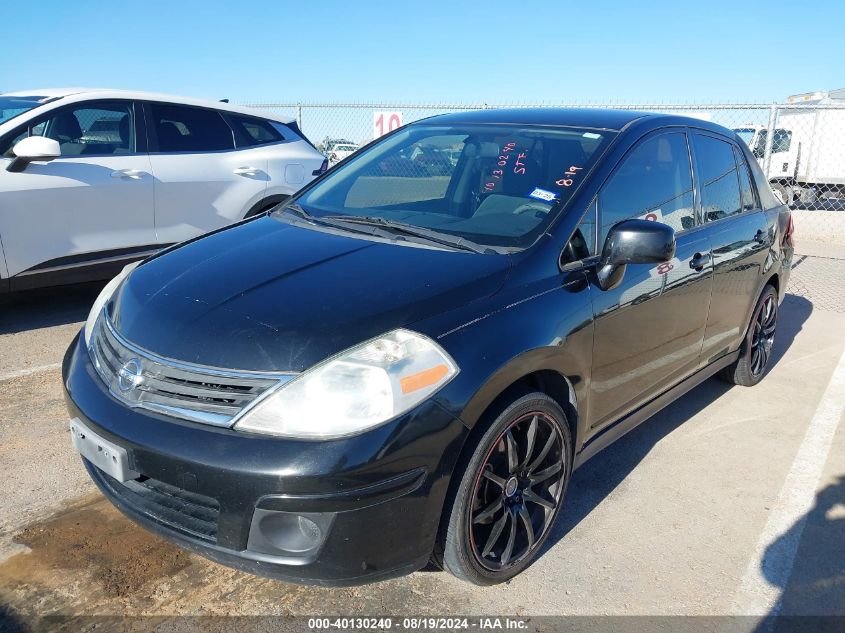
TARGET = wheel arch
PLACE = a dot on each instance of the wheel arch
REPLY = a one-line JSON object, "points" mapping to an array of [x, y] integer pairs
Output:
{"points": [[265, 203], [772, 280], [535, 370], [505, 386]]}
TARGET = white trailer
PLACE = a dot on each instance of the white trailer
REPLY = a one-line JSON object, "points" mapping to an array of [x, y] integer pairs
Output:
{"points": [[805, 158]]}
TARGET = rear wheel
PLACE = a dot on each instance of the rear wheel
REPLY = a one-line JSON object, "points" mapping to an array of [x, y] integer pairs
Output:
{"points": [[510, 493], [808, 196], [783, 193], [756, 350]]}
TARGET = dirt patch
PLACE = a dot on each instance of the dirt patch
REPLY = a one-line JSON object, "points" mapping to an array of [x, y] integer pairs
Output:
{"points": [[93, 536]]}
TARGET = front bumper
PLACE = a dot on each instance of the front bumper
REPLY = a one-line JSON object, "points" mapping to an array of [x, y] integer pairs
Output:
{"points": [[368, 507]]}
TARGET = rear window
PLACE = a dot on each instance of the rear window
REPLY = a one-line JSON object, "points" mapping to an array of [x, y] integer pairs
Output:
{"points": [[185, 129], [250, 131]]}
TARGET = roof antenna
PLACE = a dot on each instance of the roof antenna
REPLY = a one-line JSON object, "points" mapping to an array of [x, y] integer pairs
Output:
{"points": [[224, 101]]}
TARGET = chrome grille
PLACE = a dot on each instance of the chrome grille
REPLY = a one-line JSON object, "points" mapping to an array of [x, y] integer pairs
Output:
{"points": [[143, 379]]}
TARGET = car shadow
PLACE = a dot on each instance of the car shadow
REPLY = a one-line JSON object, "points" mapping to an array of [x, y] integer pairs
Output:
{"points": [[47, 307], [9, 622], [596, 479], [816, 584]]}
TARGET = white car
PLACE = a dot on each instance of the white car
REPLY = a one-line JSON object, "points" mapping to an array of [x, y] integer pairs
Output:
{"points": [[341, 151], [93, 179]]}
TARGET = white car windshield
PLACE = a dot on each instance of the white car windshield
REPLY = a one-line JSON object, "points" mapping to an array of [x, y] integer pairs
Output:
{"points": [[10, 107], [495, 185]]}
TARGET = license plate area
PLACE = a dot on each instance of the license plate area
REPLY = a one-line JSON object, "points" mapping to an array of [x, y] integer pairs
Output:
{"points": [[107, 456]]}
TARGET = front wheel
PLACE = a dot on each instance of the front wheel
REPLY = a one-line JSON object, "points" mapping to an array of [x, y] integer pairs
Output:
{"points": [[510, 492], [756, 350]]}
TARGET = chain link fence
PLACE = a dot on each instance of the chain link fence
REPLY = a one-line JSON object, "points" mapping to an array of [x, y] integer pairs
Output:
{"points": [[800, 146]]}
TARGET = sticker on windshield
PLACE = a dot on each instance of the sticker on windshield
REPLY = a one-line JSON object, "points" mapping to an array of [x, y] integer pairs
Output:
{"points": [[542, 194]]}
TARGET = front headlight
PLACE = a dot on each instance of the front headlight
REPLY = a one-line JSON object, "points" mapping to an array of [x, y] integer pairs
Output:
{"points": [[356, 390], [103, 297]]}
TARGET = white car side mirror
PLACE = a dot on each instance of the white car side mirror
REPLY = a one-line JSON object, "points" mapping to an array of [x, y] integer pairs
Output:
{"points": [[33, 148]]}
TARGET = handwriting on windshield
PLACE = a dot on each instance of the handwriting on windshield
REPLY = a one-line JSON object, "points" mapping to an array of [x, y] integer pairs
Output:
{"points": [[501, 164], [568, 176]]}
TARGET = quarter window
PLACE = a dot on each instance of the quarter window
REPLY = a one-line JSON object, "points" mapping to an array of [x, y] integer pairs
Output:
{"points": [[250, 131], [653, 183], [746, 192], [185, 129], [720, 195]]}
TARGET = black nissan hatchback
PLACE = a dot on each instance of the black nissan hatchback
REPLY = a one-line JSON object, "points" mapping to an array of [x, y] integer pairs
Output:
{"points": [[406, 362]]}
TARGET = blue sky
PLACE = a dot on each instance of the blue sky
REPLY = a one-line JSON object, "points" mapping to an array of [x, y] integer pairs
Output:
{"points": [[430, 50]]}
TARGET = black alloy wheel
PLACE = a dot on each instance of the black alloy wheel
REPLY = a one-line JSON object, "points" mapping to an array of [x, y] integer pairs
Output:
{"points": [[763, 334], [510, 493], [756, 351]]}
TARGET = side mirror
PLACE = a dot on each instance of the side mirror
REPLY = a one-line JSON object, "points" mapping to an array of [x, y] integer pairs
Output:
{"points": [[633, 242], [33, 148]]}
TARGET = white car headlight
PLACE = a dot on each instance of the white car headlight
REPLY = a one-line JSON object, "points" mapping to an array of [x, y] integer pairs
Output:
{"points": [[103, 297], [358, 389]]}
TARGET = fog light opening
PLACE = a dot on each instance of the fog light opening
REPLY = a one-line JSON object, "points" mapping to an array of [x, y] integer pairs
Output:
{"points": [[287, 533]]}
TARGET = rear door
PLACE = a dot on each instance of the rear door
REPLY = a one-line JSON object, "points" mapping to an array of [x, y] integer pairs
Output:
{"points": [[202, 181], [91, 205], [649, 330], [740, 236]]}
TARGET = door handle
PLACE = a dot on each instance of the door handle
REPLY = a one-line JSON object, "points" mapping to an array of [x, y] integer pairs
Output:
{"points": [[134, 174], [699, 261], [246, 171], [760, 236]]}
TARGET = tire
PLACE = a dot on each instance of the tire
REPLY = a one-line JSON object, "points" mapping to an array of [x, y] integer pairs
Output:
{"points": [[784, 193], [808, 196], [507, 493], [756, 350]]}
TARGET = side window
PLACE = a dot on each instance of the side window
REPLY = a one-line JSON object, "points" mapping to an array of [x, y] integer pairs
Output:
{"points": [[781, 141], [250, 131], [654, 182], [186, 129], [98, 128], [720, 197], [8, 143], [745, 190]]}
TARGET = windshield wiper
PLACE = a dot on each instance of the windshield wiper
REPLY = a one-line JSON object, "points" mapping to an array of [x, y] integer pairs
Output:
{"points": [[294, 208], [431, 235]]}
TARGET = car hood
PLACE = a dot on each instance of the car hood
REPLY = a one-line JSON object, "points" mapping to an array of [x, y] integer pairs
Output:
{"points": [[268, 295]]}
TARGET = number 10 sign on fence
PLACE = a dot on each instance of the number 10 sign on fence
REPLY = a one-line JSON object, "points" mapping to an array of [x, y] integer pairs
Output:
{"points": [[384, 122]]}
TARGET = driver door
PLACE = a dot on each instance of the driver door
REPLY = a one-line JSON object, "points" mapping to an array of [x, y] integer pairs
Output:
{"points": [[92, 205], [649, 330]]}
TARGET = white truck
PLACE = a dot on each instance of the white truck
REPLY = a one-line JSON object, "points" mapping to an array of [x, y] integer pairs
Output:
{"points": [[806, 163]]}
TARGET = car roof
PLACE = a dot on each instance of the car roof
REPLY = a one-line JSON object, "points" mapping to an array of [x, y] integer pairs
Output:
{"points": [[597, 118], [76, 94]]}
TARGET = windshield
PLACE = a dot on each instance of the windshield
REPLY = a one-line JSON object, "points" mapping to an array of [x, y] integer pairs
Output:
{"points": [[11, 107], [745, 133], [495, 185]]}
